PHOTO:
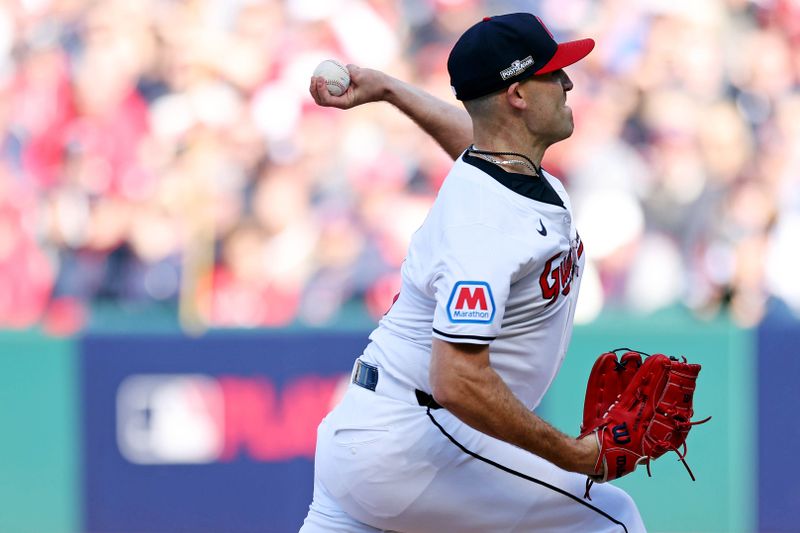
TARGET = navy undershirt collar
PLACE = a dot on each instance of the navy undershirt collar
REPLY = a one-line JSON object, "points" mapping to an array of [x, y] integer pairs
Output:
{"points": [[535, 188]]}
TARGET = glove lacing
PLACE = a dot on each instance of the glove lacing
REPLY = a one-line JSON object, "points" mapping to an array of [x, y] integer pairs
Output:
{"points": [[680, 425], [666, 446]]}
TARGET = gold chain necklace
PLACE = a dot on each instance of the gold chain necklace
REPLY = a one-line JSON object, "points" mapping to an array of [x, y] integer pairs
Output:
{"points": [[490, 156]]}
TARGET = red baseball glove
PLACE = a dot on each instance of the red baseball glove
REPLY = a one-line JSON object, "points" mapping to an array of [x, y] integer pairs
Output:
{"points": [[638, 411]]}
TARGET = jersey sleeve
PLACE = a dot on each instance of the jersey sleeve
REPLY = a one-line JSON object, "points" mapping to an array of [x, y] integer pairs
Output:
{"points": [[475, 268]]}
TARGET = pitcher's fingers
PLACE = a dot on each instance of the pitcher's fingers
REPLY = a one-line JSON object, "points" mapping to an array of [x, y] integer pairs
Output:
{"points": [[319, 90], [354, 70], [314, 89], [343, 101], [325, 96]]}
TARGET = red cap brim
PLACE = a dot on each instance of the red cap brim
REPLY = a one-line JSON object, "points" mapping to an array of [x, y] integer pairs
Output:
{"points": [[567, 53]]}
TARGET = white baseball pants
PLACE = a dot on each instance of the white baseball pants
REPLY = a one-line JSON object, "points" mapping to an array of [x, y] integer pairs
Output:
{"points": [[382, 465]]}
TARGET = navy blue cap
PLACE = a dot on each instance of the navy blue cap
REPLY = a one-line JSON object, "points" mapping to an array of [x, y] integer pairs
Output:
{"points": [[501, 50]]}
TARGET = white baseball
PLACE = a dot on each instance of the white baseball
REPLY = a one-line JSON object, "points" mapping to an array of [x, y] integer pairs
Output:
{"points": [[337, 78]]}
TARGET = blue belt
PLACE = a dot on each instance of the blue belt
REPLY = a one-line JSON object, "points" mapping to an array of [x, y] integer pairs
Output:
{"points": [[366, 376]]}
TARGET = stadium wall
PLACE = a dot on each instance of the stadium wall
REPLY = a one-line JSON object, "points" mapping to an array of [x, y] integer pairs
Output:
{"points": [[164, 433]]}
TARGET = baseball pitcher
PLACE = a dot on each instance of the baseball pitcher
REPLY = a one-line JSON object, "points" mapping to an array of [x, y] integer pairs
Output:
{"points": [[437, 431]]}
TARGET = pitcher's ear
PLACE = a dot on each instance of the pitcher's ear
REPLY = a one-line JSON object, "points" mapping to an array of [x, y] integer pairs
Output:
{"points": [[515, 96]]}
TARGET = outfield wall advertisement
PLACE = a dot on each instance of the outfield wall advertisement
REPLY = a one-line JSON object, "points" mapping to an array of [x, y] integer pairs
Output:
{"points": [[157, 434], [205, 435]]}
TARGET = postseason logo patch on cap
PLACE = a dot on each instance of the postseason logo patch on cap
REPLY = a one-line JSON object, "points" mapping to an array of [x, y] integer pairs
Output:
{"points": [[471, 302], [517, 67]]}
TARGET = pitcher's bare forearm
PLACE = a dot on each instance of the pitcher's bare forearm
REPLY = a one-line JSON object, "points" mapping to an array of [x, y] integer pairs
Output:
{"points": [[466, 385], [449, 125]]}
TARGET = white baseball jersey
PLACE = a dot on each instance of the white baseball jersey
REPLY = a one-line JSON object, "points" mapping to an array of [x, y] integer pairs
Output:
{"points": [[497, 261]]}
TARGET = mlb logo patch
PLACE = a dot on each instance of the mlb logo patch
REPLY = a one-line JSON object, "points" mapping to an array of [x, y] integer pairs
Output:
{"points": [[471, 302]]}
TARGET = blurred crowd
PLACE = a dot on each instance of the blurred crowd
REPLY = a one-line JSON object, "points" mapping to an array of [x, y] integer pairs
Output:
{"points": [[167, 152]]}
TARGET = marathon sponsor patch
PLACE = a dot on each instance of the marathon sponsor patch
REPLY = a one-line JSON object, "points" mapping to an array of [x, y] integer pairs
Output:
{"points": [[471, 302]]}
